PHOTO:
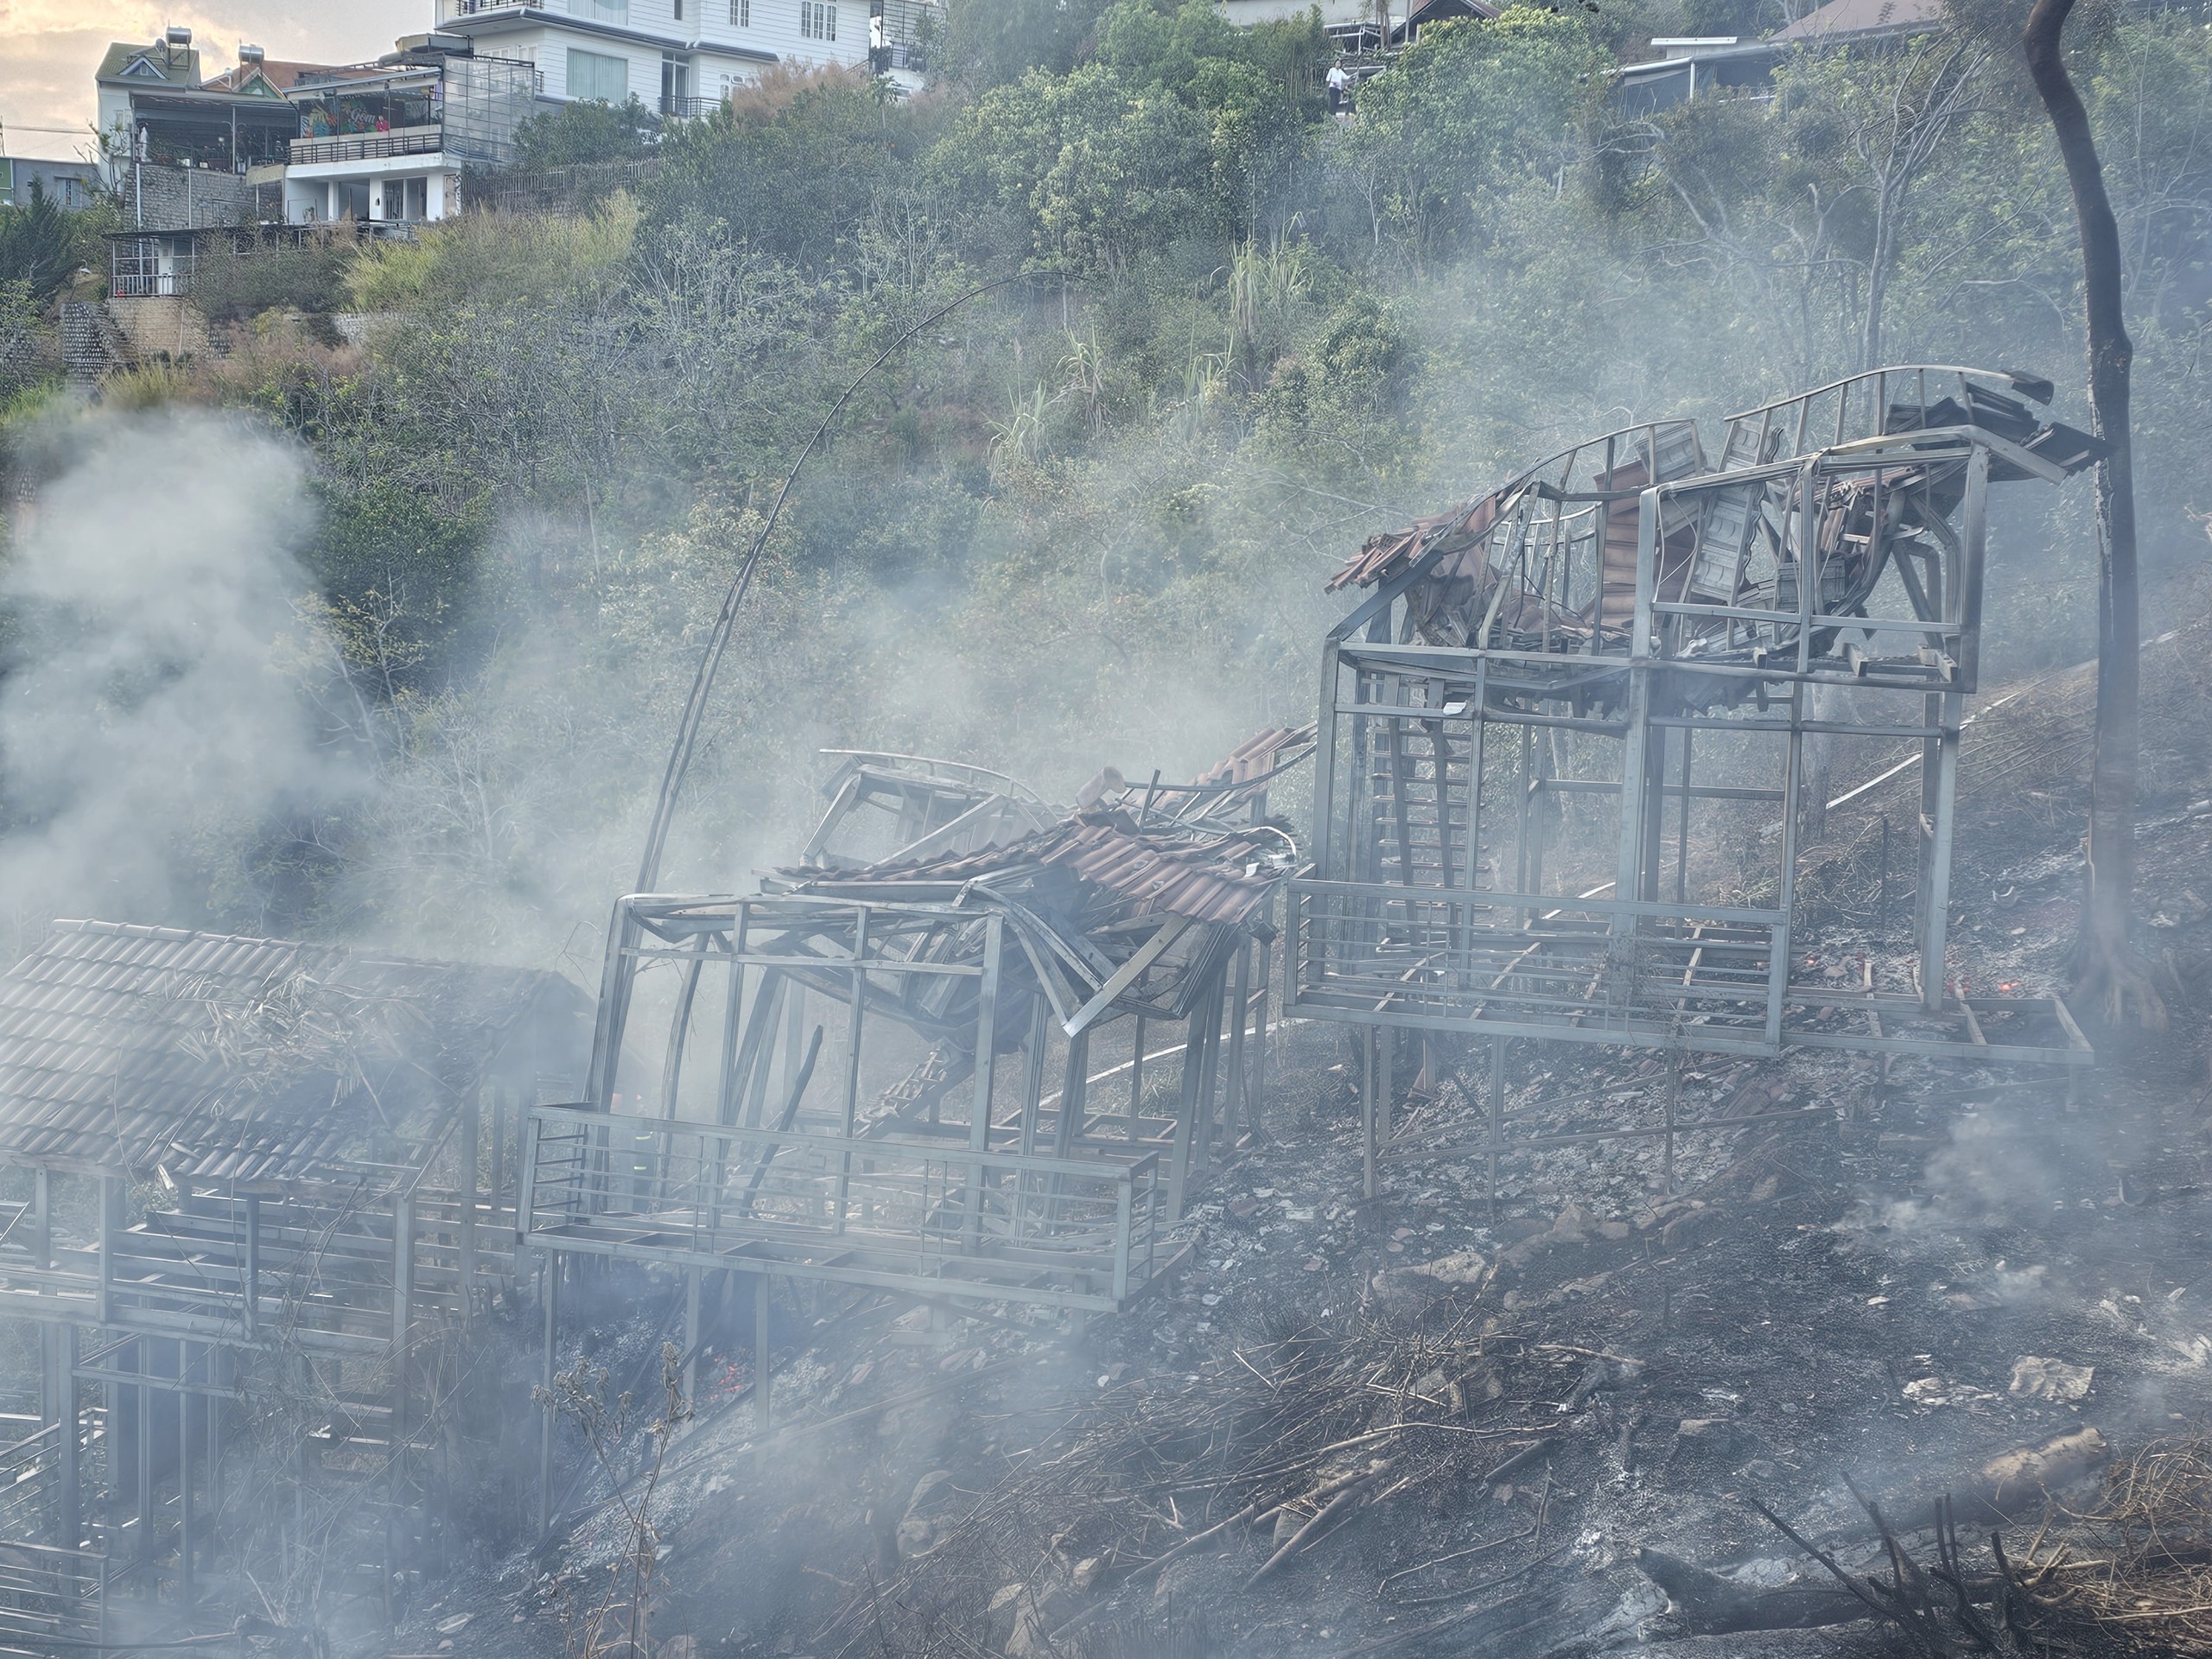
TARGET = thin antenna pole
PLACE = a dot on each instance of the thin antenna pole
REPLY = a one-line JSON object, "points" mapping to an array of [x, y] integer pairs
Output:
{"points": [[695, 707]]}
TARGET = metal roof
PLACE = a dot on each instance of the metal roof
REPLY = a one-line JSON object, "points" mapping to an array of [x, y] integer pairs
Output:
{"points": [[244, 1059]]}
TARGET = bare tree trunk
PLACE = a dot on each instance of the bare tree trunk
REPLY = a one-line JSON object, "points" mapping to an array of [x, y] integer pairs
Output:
{"points": [[2107, 977]]}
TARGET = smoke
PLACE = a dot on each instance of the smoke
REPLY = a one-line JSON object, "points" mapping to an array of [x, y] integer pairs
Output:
{"points": [[149, 724]]}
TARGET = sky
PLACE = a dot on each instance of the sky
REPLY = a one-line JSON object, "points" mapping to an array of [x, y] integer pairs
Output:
{"points": [[48, 49]]}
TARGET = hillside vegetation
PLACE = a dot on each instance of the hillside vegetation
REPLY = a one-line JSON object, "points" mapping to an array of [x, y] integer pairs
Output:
{"points": [[1084, 518]]}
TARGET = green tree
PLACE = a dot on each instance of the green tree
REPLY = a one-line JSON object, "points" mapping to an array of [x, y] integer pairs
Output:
{"points": [[588, 131], [790, 169], [39, 245], [1470, 113], [989, 42]]}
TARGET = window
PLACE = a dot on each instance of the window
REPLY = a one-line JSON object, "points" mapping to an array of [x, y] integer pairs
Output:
{"points": [[594, 74], [740, 14], [607, 11], [679, 10], [817, 19]]}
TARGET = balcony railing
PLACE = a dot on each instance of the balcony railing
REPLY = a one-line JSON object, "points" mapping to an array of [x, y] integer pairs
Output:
{"points": [[470, 7], [369, 146], [687, 109]]}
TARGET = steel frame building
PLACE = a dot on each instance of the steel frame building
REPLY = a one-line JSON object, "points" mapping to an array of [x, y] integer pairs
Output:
{"points": [[1551, 695], [270, 1185], [927, 1059]]}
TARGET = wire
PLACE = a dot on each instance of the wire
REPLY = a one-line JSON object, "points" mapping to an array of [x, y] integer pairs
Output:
{"points": [[695, 707]]}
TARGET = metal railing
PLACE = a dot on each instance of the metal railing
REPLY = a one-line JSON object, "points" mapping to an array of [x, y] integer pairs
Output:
{"points": [[369, 146], [930, 1217], [1528, 964], [688, 109], [51, 1600], [320, 1276]]}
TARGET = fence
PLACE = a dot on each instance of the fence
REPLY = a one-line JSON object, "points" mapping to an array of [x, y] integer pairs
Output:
{"points": [[894, 1214]]}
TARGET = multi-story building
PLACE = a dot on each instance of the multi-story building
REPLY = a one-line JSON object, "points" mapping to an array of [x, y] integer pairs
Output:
{"points": [[387, 143], [681, 57], [381, 146]]}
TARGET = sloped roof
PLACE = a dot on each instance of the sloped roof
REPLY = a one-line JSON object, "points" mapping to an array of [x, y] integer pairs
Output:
{"points": [[126, 1047], [156, 64], [1845, 17]]}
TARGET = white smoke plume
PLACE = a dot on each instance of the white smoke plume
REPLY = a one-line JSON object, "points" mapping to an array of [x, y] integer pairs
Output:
{"points": [[146, 717]]}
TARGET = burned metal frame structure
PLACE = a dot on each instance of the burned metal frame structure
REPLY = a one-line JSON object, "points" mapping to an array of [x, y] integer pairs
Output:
{"points": [[270, 1186], [940, 1074], [1549, 693]]}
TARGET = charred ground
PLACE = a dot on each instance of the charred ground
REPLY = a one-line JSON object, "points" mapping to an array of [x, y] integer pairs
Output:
{"points": [[1427, 1423]]}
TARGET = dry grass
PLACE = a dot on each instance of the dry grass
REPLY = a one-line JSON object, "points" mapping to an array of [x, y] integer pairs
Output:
{"points": [[2132, 1574]]}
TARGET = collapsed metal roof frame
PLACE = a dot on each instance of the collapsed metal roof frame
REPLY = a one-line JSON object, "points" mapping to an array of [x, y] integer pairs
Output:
{"points": [[1621, 607], [758, 1152]]}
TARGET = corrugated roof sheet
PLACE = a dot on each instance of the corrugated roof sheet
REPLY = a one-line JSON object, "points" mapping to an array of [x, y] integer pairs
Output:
{"points": [[1382, 555], [123, 1046], [1841, 17], [1254, 757]]}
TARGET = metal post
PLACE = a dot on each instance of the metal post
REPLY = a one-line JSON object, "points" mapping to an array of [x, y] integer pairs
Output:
{"points": [[1936, 922], [855, 1014], [251, 1310], [1367, 1120], [1236, 1107], [1258, 1099], [1682, 838], [1210, 1000], [691, 1339], [1186, 1115], [471, 1126], [979, 1112], [1386, 1088], [1136, 1081], [1074, 1103], [143, 1428], [219, 1363], [552, 1300], [1033, 1077], [1074, 1092], [73, 1530], [1497, 1114], [184, 1405]]}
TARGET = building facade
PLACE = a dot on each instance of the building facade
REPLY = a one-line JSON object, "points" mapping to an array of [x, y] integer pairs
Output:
{"points": [[681, 57]]}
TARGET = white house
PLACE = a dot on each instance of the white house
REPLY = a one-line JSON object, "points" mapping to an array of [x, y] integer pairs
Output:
{"points": [[681, 57], [387, 143]]}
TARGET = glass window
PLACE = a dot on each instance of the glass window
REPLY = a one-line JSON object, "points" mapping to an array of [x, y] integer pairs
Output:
{"points": [[740, 14], [817, 19], [607, 11], [595, 75]]}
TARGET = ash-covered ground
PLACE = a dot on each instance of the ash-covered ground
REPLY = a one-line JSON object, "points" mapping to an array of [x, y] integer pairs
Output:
{"points": [[1432, 1423]]}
